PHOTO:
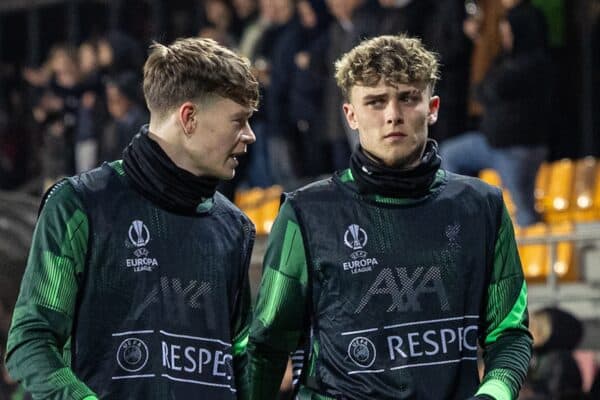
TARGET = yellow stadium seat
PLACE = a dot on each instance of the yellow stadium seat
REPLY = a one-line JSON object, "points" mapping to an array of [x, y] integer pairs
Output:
{"points": [[584, 209], [557, 203], [534, 256], [270, 207], [250, 202], [491, 176], [541, 186], [565, 264]]}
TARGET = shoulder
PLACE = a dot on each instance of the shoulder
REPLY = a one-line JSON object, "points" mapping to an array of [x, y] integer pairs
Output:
{"points": [[472, 185], [97, 179], [223, 206], [313, 190]]}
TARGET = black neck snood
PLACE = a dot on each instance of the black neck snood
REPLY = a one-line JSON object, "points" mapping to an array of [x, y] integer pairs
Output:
{"points": [[373, 177], [157, 178]]}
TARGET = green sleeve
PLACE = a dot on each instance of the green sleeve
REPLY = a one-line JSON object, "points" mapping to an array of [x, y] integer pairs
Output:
{"points": [[39, 338], [241, 324], [506, 339], [279, 319]]}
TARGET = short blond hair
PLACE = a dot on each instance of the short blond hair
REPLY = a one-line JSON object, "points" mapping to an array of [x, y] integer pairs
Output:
{"points": [[196, 69], [395, 59]]}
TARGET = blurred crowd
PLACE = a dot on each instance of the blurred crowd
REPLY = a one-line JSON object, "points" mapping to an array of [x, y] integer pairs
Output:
{"points": [[83, 104]]}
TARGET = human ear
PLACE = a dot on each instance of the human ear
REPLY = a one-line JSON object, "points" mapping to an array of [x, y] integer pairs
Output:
{"points": [[350, 115], [187, 117], [434, 107]]}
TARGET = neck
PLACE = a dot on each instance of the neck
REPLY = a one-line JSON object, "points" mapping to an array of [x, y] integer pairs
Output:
{"points": [[169, 138]]}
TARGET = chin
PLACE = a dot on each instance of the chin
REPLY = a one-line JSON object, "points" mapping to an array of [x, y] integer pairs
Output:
{"points": [[227, 176]]}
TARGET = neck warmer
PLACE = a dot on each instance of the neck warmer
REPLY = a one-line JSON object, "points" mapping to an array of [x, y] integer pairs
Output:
{"points": [[373, 177], [156, 177]]}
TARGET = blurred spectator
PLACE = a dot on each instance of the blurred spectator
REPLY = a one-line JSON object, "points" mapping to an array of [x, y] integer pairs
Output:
{"points": [[118, 52], [514, 125], [553, 373], [255, 30], [355, 20], [446, 37], [306, 87], [245, 12], [91, 114], [56, 112], [127, 114], [406, 16], [217, 24], [280, 129]]}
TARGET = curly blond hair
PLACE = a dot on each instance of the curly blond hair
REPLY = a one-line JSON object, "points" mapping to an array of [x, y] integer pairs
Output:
{"points": [[196, 69], [395, 59]]}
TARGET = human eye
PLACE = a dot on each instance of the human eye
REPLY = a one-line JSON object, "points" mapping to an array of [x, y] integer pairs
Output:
{"points": [[375, 102], [410, 98]]}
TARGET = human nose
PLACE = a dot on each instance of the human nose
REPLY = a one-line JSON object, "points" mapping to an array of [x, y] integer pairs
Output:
{"points": [[393, 113], [248, 135]]}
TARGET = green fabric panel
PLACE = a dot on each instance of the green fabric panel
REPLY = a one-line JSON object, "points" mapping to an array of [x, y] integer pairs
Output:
{"points": [[57, 287], [240, 342], [507, 295], [507, 341], [118, 166], [43, 315], [293, 259], [495, 389], [279, 314], [515, 317]]}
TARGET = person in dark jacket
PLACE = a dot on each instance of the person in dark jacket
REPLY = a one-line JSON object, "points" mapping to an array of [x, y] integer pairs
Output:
{"points": [[124, 102], [136, 285], [553, 372], [514, 125]]}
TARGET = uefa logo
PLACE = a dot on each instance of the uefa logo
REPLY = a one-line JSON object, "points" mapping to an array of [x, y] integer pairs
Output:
{"points": [[138, 233], [355, 237], [362, 351], [132, 355]]}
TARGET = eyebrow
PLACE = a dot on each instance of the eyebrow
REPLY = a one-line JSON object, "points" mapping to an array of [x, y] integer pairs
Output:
{"points": [[243, 114], [375, 96]]}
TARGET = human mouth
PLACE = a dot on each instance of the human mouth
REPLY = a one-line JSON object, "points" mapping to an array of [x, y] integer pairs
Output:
{"points": [[395, 135], [235, 157]]}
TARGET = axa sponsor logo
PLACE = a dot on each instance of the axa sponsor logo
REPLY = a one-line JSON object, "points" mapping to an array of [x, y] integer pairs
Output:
{"points": [[139, 236], [356, 238]]}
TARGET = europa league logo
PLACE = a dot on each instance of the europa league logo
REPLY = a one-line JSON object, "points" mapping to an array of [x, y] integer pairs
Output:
{"points": [[138, 233], [355, 237]]}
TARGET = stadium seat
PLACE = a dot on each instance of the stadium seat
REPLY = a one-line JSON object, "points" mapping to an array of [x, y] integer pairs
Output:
{"points": [[541, 187], [557, 202], [535, 258], [584, 206], [260, 205]]}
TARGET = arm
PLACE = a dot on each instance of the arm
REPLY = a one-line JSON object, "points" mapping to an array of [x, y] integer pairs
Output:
{"points": [[279, 320], [241, 320], [506, 342], [37, 348]]}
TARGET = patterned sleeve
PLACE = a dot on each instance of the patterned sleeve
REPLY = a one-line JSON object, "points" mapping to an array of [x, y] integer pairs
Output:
{"points": [[242, 317], [506, 341], [39, 338], [279, 319]]}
